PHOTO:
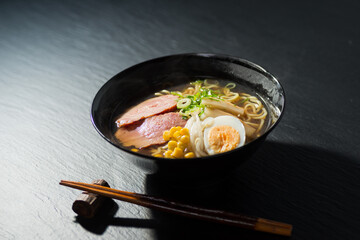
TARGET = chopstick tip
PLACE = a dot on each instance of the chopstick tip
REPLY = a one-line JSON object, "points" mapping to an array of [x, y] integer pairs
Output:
{"points": [[64, 182], [265, 225]]}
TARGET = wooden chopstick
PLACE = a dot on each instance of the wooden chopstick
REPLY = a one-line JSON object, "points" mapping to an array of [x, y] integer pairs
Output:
{"points": [[255, 223]]}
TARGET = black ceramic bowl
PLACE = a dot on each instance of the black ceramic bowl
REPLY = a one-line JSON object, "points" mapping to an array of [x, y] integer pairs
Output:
{"points": [[142, 80]]}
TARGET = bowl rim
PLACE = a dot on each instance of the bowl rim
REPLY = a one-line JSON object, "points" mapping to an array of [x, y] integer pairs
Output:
{"points": [[232, 59]]}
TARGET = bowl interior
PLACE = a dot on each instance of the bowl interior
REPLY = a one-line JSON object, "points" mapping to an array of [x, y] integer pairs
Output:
{"points": [[132, 85]]}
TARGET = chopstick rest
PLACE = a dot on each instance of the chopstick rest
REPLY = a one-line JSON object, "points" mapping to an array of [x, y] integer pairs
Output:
{"points": [[87, 204]]}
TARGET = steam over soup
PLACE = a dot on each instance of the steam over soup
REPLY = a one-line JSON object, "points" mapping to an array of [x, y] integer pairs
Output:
{"points": [[205, 117]]}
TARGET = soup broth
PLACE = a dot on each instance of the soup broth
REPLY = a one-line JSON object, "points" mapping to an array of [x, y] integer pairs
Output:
{"points": [[219, 116]]}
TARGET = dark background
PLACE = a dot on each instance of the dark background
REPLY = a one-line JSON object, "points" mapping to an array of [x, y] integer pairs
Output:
{"points": [[54, 56]]}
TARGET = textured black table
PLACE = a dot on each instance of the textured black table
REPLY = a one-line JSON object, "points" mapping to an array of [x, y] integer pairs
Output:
{"points": [[54, 56]]}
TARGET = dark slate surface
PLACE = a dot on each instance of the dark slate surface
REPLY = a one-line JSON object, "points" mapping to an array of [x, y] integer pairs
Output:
{"points": [[54, 56]]}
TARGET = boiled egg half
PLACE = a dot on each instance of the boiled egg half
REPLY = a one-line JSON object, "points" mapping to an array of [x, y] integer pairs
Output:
{"points": [[222, 134]]}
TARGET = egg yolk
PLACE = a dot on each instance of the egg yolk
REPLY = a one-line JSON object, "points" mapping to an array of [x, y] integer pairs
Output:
{"points": [[223, 138]]}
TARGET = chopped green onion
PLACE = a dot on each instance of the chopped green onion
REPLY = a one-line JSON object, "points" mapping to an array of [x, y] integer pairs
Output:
{"points": [[197, 82], [183, 103], [246, 99], [176, 94], [192, 103]]}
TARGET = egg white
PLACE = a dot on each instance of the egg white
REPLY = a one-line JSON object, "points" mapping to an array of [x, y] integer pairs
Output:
{"points": [[221, 121]]}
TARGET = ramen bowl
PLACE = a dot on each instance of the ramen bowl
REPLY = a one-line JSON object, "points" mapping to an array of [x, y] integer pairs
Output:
{"points": [[125, 89]]}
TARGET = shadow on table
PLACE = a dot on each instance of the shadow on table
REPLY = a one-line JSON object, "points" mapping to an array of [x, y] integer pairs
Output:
{"points": [[105, 217], [281, 182], [100, 221]]}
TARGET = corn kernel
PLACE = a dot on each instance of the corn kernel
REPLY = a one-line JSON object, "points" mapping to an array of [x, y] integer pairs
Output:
{"points": [[177, 153], [172, 145], [166, 135], [178, 128], [158, 155], [134, 149], [172, 130], [177, 135], [182, 145], [168, 154], [184, 131], [189, 155], [184, 139]]}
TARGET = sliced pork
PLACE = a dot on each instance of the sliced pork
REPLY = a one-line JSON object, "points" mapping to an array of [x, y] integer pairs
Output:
{"points": [[149, 131], [148, 108]]}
